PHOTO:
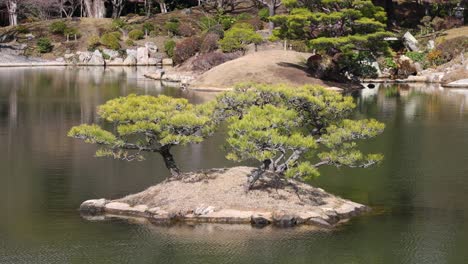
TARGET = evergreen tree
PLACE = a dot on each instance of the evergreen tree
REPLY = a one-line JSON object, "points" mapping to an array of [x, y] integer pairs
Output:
{"points": [[147, 124], [293, 131]]}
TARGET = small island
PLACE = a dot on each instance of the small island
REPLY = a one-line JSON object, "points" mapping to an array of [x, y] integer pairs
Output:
{"points": [[218, 196], [290, 131]]}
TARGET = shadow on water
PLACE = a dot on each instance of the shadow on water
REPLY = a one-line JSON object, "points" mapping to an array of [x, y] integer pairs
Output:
{"points": [[419, 192]]}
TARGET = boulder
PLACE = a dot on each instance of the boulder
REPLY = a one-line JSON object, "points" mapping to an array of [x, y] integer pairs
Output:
{"points": [[116, 62], [153, 61], [151, 47], [132, 52], [130, 60], [97, 58], [405, 67], [142, 56], [167, 62], [84, 56], [92, 207], [111, 53], [431, 44], [261, 219], [284, 220], [410, 42]]}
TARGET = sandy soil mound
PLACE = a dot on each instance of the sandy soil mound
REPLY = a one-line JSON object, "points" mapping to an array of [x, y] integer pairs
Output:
{"points": [[271, 67], [218, 195]]}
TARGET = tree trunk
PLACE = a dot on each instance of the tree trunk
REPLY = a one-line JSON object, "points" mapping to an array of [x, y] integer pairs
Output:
{"points": [[12, 6], [271, 12], [257, 174], [169, 161], [390, 9], [117, 6], [163, 7], [95, 8]]}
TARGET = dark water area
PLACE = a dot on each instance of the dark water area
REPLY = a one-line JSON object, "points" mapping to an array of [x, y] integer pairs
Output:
{"points": [[419, 194]]}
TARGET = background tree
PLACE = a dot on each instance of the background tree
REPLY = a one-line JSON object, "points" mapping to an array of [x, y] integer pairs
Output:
{"points": [[293, 131], [117, 7], [353, 29], [238, 37], [147, 124], [94, 8], [272, 5], [12, 9]]}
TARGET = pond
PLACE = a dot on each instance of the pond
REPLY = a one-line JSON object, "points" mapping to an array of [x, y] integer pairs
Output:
{"points": [[419, 194]]}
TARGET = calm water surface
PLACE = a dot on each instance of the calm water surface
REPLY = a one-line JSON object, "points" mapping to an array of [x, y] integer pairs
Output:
{"points": [[419, 193]]}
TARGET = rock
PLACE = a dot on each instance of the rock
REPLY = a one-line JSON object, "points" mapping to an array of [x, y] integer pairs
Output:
{"points": [[318, 222], [261, 219], [29, 36], [124, 208], [69, 56], [347, 210], [93, 206], [117, 62], [227, 216], [376, 66], [130, 60], [203, 210], [405, 67], [84, 56], [418, 67], [167, 62], [151, 47], [430, 45], [158, 215], [97, 58], [111, 53], [153, 61], [410, 41], [142, 56], [284, 220], [458, 84], [132, 52], [60, 60]]}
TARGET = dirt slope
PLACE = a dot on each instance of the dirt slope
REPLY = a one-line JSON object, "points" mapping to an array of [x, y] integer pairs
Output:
{"points": [[272, 66]]}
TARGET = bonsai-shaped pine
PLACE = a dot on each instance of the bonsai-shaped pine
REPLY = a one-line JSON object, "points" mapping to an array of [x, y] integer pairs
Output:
{"points": [[147, 124], [292, 131]]}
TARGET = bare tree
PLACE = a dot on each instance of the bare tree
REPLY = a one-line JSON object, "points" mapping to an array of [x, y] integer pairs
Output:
{"points": [[162, 6], [117, 7], [68, 7]]}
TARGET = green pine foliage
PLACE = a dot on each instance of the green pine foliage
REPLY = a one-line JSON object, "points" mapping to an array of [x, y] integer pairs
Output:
{"points": [[147, 124], [293, 131], [290, 131], [333, 26]]}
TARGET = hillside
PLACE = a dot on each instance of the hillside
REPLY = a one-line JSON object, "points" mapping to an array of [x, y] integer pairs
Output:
{"points": [[273, 66]]}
